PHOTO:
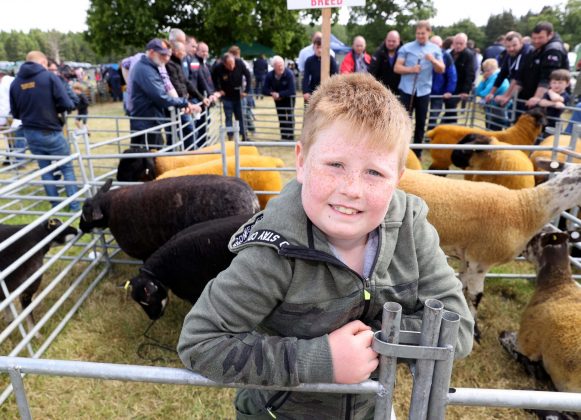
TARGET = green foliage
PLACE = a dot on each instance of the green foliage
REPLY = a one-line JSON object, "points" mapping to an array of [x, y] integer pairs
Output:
{"points": [[375, 19], [474, 32], [497, 25]]}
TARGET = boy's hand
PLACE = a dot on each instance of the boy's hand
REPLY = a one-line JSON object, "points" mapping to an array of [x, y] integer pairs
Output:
{"points": [[353, 358]]}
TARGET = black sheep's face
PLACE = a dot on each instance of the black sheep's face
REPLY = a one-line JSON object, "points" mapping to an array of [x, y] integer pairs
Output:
{"points": [[547, 247], [92, 216], [150, 294], [461, 158], [538, 116], [136, 169], [65, 236]]}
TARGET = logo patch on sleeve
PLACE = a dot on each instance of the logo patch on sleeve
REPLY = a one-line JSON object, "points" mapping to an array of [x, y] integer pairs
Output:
{"points": [[262, 236]]}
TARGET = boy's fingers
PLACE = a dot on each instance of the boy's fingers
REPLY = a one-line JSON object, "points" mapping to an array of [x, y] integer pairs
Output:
{"points": [[355, 327]]}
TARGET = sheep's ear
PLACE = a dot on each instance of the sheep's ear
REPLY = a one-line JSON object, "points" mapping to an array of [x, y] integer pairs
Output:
{"points": [[575, 236], [548, 165], [106, 186], [554, 238], [149, 164]]}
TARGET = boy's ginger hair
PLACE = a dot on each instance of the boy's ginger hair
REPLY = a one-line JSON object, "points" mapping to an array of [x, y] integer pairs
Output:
{"points": [[369, 108]]}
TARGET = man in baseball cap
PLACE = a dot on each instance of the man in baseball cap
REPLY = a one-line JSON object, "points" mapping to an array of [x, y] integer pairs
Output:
{"points": [[157, 45]]}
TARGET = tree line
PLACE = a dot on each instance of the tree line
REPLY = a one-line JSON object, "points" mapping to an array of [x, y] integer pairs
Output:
{"points": [[117, 29]]}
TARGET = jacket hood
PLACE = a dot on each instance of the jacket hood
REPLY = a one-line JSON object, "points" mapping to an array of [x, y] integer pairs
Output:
{"points": [[289, 222], [30, 69]]}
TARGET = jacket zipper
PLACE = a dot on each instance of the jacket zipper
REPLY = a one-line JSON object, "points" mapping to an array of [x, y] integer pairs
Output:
{"points": [[314, 255]]}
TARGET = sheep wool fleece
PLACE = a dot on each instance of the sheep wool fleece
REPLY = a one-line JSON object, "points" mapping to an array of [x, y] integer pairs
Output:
{"points": [[266, 319]]}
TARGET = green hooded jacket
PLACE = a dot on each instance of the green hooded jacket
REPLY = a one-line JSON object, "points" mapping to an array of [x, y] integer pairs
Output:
{"points": [[266, 319]]}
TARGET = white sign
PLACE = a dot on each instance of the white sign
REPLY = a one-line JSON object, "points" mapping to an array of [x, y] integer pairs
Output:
{"points": [[319, 4]]}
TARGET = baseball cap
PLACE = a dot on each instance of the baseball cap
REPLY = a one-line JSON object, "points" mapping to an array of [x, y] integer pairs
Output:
{"points": [[157, 46]]}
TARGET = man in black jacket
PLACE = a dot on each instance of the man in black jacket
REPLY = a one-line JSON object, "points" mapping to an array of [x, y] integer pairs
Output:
{"points": [[37, 97], [464, 62], [549, 55], [228, 76], [185, 89], [383, 60]]}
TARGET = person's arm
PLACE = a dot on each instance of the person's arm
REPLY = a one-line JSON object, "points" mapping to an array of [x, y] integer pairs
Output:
{"points": [[219, 338], [334, 69], [504, 98], [153, 87], [348, 64], [437, 281], [290, 90], [61, 99], [470, 75], [401, 68], [451, 79], [246, 74], [267, 86], [437, 62], [552, 99], [375, 65]]}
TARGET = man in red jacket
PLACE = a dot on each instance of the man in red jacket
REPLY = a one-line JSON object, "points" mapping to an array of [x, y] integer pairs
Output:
{"points": [[357, 60]]}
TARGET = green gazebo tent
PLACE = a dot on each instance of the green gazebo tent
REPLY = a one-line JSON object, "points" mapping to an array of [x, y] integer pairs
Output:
{"points": [[250, 50]]}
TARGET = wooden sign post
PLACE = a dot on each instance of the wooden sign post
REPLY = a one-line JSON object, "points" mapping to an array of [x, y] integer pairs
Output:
{"points": [[326, 6]]}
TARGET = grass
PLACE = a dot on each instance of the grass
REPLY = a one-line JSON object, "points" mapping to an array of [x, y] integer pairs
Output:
{"points": [[109, 328]]}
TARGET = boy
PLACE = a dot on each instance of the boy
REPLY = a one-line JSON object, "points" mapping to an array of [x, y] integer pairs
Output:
{"points": [[300, 300], [556, 98], [82, 108]]}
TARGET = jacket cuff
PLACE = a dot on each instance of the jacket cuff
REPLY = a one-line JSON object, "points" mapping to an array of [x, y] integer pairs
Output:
{"points": [[314, 362]]}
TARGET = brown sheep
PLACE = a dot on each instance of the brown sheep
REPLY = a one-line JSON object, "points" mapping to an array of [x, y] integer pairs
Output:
{"points": [[550, 331], [524, 131], [258, 180], [485, 224]]}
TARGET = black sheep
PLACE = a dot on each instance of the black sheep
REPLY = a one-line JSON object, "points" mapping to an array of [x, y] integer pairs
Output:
{"points": [[143, 217], [21, 246], [136, 169], [185, 264]]}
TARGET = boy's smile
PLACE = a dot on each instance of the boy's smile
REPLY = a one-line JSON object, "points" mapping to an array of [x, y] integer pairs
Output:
{"points": [[347, 183]]}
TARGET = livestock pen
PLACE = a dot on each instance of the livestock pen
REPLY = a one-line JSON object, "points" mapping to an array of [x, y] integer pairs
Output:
{"points": [[80, 317]]}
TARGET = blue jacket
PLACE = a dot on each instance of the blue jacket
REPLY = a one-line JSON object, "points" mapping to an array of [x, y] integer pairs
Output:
{"points": [[148, 93], [445, 82], [37, 97], [285, 86]]}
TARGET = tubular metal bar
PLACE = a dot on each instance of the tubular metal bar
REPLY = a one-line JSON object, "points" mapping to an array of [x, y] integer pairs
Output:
{"points": [[60, 327], [510, 398], [443, 369], [430, 332], [21, 400], [390, 328], [161, 375]]}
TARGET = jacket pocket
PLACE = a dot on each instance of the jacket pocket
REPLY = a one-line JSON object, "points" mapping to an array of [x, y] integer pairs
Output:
{"points": [[406, 294]]}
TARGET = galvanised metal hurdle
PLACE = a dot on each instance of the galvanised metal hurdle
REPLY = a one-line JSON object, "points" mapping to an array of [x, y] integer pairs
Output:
{"points": [[432, 349], [23, 196]]}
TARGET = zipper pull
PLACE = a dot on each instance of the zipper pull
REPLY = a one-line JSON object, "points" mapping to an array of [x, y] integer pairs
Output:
{"points": [[366, 293], [268, 410]]}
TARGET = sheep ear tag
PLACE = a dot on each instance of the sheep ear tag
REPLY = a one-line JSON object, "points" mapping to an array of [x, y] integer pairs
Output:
{"points": [[575, 236], [554, 238]]}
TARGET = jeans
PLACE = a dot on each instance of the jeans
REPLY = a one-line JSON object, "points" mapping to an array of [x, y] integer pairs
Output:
{"points": [[50, 143], [188, 133], [234, 106], [575, 119], [420, 105], [201, 125]]}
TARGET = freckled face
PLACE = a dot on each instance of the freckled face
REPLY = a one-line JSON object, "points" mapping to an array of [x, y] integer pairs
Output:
{"points": [[347, 185]]}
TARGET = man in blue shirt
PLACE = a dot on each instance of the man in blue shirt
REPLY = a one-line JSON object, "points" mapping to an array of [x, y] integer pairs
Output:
{"points": [[415, 62]]}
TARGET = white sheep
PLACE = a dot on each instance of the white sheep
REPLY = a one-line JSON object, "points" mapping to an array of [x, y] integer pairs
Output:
{"points": [[485, 224], [550, 327]]}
